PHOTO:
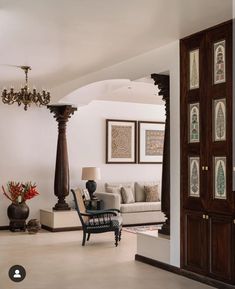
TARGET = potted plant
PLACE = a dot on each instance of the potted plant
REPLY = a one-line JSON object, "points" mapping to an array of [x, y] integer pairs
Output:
{"points": [[18, 193]]}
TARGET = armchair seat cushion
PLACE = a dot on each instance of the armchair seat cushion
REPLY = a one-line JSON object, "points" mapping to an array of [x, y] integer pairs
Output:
{"points": [[99, 223], [140, 207]]}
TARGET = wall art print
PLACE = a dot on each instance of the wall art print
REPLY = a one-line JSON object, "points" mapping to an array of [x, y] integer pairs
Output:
{"points": [[220, 178], [194, 177], [219, 62], [194, 69], [151, 141], [194, 123], [219, 117], [121, 141]]}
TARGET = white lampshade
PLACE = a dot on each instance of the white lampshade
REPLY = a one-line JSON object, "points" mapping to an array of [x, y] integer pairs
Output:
{"points": [[90, 173]]}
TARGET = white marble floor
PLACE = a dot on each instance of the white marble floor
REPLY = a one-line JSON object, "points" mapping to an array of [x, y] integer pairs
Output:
{"points": [[58, 261]]}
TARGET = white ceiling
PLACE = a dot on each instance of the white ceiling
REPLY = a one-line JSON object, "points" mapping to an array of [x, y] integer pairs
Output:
{"points": [[65, 39], [121, 90]]}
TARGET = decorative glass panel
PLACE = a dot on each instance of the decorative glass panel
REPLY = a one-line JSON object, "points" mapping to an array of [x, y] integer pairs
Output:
{"points": [[194, 177], [194, 69], [220, 178], [219, 62], [194, 123], [219, 126]]}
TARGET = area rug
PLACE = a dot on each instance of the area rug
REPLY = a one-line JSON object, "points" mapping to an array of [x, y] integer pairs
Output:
{"points": [[136, 229]]}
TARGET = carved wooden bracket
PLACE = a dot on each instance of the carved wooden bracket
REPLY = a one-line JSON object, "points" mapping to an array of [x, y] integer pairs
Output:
{"points": [[163, 83]]}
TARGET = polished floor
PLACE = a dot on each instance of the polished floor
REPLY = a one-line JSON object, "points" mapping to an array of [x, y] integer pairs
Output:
{"points": [[58, 261]]}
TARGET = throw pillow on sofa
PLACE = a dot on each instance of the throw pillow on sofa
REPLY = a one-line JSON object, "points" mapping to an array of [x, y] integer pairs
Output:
{"points": [[151, 194], [114, 190], [127, 195], [140, 195]]}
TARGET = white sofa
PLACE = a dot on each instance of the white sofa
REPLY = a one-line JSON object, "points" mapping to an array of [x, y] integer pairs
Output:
{"points": [[139, 212]]}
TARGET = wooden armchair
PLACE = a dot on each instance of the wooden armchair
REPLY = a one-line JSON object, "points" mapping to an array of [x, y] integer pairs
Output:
{"points": [[95, 222]]}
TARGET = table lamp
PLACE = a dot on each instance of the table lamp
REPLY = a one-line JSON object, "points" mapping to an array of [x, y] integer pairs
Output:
{"points": [[90, 174]]}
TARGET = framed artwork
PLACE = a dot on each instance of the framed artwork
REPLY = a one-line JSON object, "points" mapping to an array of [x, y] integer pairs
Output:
{"points": [[219, 62], [150, 142], [121, 141], [194, 123], [86, 194], [194, 69], [194, 177], [219, 120], [220, 190]]}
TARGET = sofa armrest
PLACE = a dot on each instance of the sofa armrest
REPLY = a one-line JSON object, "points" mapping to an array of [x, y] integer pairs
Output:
{"points": [[109, 200]]}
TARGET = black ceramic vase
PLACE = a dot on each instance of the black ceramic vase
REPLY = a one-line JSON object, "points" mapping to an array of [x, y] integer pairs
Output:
{"points": [[17, 214]]}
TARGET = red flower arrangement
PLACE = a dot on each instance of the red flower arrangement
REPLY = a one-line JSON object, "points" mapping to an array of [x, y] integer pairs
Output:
{"points": [[20, 192]]}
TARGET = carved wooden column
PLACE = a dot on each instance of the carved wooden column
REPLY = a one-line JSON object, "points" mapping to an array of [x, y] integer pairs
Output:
{"points": [[162, 81], [61, 183]]}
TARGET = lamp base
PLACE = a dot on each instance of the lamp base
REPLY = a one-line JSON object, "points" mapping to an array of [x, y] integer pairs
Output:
{"points": [[91, 187]]}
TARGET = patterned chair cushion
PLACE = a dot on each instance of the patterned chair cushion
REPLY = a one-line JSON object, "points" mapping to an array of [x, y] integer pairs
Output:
{"points": [[103, 223]]}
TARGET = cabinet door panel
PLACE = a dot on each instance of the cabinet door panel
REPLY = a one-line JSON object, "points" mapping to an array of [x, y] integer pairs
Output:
{"points": [[219, 91], [192, 104], [220, 240], [195, 242]]}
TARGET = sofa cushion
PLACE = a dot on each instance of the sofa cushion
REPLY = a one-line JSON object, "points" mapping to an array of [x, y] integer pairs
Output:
{"points": [[140, 207], [139, 190], [108, 188], [127, 195], [151, 193], [114, 190]]}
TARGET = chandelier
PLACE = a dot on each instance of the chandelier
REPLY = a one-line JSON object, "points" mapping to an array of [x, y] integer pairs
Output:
{"points": [[24, 95]]}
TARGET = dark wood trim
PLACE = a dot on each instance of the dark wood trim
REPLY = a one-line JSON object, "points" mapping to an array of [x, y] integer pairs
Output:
{"points": [[157, 264], [208, 29], [139, 123], [182, 272], [163, 83], [65, 229], [107, 139], [4, 228]]}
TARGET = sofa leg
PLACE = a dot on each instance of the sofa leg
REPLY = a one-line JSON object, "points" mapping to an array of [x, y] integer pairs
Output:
{"points": [[88, 236], [120, 235], [84, 239], [116, 237]]}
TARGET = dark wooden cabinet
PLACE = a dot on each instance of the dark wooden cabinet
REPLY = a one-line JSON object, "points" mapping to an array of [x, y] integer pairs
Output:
{"points": [[195, 242], [221, 242], [207, 199]]}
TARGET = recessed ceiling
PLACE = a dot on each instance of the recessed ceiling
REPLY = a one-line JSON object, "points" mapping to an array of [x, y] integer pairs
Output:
{"points": [[65, 39]]}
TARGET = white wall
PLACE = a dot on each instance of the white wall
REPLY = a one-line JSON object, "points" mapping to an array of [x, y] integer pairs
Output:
{"points": [[18, 149], [159, 60], [28, 147], [87, 141]]}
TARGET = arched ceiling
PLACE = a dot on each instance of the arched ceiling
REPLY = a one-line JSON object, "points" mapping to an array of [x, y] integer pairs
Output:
{"points": [[120, 90], [65, 39]]}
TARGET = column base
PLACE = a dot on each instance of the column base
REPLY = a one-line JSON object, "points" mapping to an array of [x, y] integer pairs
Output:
{"points": [[152, 245], [165, 230], [57, 221], [61, 207]]}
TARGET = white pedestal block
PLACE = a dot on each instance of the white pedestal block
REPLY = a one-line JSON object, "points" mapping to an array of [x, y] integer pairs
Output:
{"points": [[56, 221], [152, 245]]}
